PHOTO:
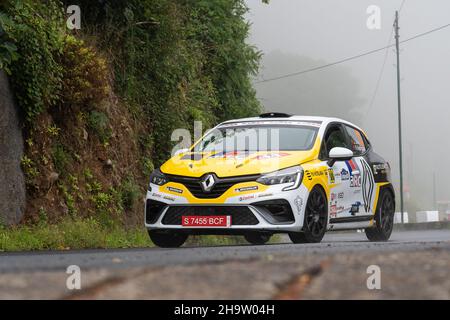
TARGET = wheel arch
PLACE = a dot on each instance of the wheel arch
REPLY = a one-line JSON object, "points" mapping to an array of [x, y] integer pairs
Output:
{"points": [[385, 188], [320, 185]]}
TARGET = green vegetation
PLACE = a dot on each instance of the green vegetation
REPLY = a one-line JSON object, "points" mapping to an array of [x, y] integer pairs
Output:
{"points": [[35, 73], [61, 157], [71, 234], [8, 50], [177, 61]]}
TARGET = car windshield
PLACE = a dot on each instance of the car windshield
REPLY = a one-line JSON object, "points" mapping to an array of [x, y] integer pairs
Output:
{"points": [[258, 138]]}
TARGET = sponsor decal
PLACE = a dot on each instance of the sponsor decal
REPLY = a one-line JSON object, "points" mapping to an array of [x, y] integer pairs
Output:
{"points": [[243, 198], [317, 173], [355, 180], [341, 195], [298, 203], [263, 195], [340, 209], [157, 195], [332, 196], [169, 198], [331, 176], [333, 210], [174, 189], [271, 156], [355, 207], [345, 175], [246, 189]]}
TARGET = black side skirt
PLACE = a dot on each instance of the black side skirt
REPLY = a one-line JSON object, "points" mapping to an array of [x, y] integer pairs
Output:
{"points": [[351, 219]]}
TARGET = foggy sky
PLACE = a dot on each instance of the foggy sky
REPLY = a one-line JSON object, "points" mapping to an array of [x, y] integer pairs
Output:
{"points": [[331, 30]]}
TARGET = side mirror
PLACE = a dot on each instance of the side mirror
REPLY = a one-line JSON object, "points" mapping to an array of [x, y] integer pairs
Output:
{"points": [[180, 151], [339, 154]]}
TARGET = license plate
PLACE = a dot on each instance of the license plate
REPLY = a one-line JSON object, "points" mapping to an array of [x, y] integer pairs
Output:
{"points": [[206, 221]]}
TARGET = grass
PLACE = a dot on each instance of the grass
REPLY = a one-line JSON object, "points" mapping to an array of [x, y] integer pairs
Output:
{"points": [[88, 233], [71, 233]]}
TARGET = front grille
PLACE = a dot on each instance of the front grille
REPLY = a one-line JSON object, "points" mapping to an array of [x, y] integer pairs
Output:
{"points": [[240, 215], [153, 210], [221, 186]]}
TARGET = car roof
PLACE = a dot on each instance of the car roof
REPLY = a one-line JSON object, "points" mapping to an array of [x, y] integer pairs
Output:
{"points": [[323, 120]]}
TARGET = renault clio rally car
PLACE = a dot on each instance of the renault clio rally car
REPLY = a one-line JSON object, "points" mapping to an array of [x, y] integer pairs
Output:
{"points": [[275, 173]]}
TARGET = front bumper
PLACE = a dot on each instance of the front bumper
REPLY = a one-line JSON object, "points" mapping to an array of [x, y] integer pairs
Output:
{"points": [[249, 211]]}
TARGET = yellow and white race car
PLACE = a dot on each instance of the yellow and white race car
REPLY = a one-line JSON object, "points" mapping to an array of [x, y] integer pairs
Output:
{"points": [[275, 173]]}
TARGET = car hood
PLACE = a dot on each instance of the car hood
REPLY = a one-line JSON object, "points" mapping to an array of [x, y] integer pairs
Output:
{"points": [[196, 164]]}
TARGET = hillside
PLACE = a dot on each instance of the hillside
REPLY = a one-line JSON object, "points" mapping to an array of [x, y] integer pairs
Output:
{"points": [[98, 105]]}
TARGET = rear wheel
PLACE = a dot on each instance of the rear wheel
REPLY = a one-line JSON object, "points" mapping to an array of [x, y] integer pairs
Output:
{"points": [[167, 239], [257, 238], [316, 218], [384, 218]]}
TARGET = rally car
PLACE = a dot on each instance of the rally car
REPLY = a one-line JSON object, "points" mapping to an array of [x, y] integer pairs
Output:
{"points": [[275, 173]]}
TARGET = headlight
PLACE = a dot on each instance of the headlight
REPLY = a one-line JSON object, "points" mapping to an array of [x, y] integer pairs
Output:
{"points": [[292, 176], [158, 178]]}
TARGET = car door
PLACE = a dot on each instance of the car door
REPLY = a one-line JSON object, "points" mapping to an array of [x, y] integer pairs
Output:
{"points": [[362, 182], [341, 194]]}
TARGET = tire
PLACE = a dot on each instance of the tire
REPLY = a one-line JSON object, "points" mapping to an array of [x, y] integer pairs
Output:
{"points": [[257, 238], [167, 239], [384, 218], [316, 218]]}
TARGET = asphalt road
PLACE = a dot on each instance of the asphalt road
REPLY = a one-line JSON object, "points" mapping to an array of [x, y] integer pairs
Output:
{"points": [[413, 265], [349, 243]]}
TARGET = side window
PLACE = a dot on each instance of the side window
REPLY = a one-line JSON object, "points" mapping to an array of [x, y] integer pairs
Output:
{"points": [[357, 141], [334, 137]]}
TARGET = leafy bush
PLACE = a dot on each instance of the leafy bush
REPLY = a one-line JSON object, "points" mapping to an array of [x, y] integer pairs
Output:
{"points": [[129, 194], [85, 76], [36, 75], [8, 50], [61, 157], [98, 122]]}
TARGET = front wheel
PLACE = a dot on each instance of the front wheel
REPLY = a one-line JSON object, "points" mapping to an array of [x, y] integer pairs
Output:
{"points": [[257, 238], [167, 239], [316, 218], [384, 218]]}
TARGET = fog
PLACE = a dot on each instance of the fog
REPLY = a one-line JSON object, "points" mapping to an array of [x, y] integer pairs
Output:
{"points": [[295, 35]]}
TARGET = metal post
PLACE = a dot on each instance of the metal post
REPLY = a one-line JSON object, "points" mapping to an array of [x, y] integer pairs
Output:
{"points": [[397, 37], [434, 190]]}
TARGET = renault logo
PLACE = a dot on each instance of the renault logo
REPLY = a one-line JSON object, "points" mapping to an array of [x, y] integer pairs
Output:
{"points": [[208, 182]]}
